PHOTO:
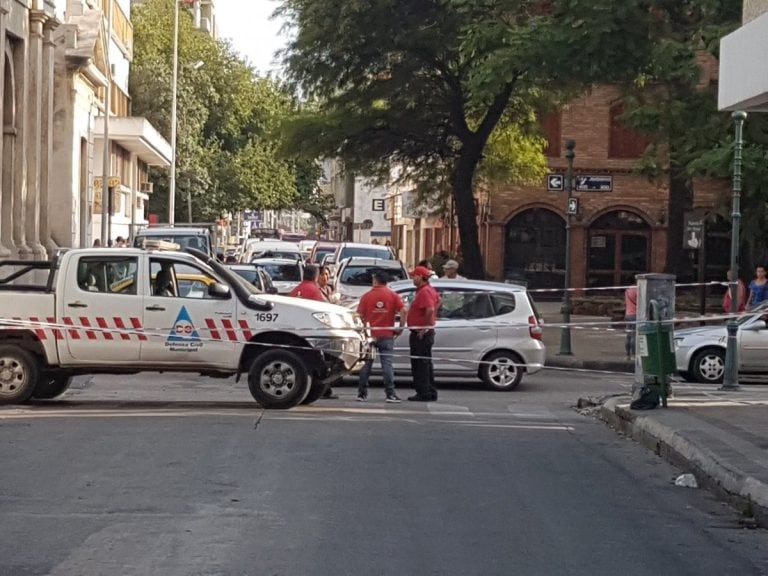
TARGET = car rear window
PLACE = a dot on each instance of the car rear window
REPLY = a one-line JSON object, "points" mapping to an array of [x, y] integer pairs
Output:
{"points": [[503, 303], [283, 272], [382, 253], [363, 275], [320, 252]]}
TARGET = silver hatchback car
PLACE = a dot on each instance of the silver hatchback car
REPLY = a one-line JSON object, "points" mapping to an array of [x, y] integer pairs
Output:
{"points": [[485, 329]]}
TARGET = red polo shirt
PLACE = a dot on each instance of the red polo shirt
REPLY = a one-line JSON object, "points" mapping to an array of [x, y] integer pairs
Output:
{"points": [[426, 298], [378, 307], [309, 290]]}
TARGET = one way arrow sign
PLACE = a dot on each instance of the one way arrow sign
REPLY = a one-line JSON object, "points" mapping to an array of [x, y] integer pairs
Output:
{"points": [[555, 182]]}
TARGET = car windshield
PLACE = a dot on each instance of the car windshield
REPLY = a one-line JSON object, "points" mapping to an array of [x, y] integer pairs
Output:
{"points": [[366, 252], [250, 274], [283, 272], [362, 275]]}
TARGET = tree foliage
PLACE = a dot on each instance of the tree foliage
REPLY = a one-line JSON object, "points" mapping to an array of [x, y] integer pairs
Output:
{"points": [[228, 119], [442, 87]]}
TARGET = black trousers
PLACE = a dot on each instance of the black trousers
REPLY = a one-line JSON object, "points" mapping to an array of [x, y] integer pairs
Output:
{"points": [[421, 363]]}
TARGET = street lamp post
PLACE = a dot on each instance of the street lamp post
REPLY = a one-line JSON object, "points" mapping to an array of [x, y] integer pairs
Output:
{"points": [[174, 90], [106, 168], [565, 336], [731, 374]]}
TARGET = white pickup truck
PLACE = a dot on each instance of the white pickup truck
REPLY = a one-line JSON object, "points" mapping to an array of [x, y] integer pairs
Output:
{"points": [[129, 310]]}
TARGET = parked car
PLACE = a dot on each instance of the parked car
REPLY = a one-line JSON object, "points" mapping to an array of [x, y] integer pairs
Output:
{"points": [[270, 249], [285, 273], [256, 275], [485, 329], [700, 351], [355, 275], [320, 250], [305, 247]]}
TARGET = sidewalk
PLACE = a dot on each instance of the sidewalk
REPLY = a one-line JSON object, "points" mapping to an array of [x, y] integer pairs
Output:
{"points": [[720, 437]]}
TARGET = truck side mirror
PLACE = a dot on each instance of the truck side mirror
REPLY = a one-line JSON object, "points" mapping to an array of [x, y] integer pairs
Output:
{"points": [[219, 291]]}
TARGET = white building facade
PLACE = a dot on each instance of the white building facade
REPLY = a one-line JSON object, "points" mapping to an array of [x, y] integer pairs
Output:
{"points": [[743, 74], [90, 58]]}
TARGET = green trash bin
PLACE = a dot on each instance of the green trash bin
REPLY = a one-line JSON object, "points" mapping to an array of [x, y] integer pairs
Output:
{"points": [[657, 351]]}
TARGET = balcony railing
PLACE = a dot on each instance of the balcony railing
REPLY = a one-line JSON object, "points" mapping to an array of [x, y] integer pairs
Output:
{"points": [[122, 29]]}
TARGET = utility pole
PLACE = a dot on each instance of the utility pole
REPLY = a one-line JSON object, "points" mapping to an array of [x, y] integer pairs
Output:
{"points": [[106, 215], [565, 336]]}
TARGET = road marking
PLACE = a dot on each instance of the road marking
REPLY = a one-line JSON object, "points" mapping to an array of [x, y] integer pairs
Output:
{"points": [[556, 427]]}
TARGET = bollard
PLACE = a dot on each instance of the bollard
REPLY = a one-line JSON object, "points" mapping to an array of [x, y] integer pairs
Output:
{"points": [[654, 341]]}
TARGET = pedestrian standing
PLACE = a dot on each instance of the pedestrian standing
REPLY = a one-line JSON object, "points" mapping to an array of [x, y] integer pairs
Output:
{"points": [[119, 242], [758, 288], [741, 291], [310, 290], [324, 283], [421, 321], [451, 270], [630, 317], [308, 287], [378, 308]]}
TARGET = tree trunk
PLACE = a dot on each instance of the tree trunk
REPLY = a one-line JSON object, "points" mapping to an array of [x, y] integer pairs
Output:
{"points": [[680, 201], [463, 195]]}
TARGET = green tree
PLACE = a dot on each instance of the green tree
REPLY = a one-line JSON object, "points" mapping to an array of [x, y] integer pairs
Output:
{"points": [[228, 118], [425, 84]]}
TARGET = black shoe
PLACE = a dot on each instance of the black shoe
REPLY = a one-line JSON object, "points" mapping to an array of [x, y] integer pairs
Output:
{"points": [[417, 398]]}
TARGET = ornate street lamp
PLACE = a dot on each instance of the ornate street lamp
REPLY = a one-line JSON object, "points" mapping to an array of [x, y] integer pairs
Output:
{"points": [[731, 374], [565, 337]]}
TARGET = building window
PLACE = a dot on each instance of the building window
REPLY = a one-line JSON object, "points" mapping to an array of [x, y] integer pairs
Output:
{"points": [[624, 142], [551, 126]]}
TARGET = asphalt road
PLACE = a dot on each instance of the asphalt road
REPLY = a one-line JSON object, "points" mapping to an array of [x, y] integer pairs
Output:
{"points": [[177, 476]]}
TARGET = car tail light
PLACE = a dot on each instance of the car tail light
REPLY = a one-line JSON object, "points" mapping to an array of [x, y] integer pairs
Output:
{"points": [[534, 329]]}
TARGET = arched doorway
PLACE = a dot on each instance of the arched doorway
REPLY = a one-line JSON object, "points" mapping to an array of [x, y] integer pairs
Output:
{"points": [[619, 248], [534, 249]]}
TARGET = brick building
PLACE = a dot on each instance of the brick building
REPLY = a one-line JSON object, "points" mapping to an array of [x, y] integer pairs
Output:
{"points": [[623, 225]]}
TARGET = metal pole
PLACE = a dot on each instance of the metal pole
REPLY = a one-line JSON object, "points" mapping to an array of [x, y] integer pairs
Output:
{"points": [[731, 374], [565, 336], [105, 161], [174, 90]]}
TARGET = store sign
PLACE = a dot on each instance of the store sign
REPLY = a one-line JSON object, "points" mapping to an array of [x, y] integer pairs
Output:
{"points": [[694, 223], [378, 205]]}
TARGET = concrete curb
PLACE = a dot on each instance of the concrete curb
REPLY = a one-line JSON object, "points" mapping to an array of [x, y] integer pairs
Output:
{"points": [[600, 365], [747, 493]]}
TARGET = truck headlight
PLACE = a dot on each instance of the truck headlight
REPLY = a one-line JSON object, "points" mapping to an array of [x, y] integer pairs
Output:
{"points": [[334, 320]]}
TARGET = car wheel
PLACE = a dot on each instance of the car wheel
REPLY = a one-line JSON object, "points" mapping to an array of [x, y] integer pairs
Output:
{"points": [[502, 370], [19, 375], [278, 379], [708, 366], [51, 386]]}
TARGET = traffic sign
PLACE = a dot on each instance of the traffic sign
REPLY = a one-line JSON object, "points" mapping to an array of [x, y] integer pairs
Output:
{"points": [[555, 182], [591, 183], [573, 206]]}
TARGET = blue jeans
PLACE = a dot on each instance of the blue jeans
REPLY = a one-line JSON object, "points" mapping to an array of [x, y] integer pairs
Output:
{"points": [[384, 347], [629, 345]]}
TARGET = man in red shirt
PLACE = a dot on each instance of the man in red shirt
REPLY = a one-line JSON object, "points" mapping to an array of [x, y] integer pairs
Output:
{"points": [[308, 288], [378, 307], [421, 320]]}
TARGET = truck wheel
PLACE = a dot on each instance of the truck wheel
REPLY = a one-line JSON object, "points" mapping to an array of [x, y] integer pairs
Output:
{"points": [[278, 379], [315, 392], [502, 370], [51, 386], [19, 374]]}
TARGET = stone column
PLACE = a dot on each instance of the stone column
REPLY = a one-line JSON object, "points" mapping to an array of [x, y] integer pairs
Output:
{"points": [[47, 186], [5, 222], [18, 213], [33, 130]]}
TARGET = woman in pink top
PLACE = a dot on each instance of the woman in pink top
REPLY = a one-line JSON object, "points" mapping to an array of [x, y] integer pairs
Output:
{"points": [[630, 315]]}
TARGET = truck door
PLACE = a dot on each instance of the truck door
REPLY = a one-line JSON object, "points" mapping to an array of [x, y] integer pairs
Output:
{"points": [[189, 327], [102, 310]]}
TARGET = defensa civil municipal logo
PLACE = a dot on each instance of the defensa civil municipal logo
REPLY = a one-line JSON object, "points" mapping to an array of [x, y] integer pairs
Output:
{"points": [[183, 336]]}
